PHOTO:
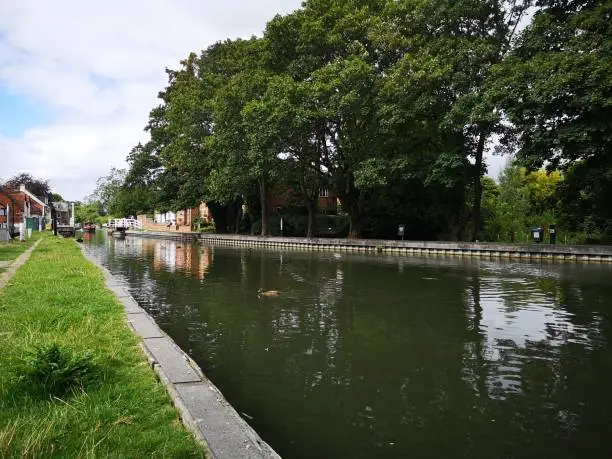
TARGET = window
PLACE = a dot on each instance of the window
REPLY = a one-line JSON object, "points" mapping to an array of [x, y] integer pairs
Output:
{"points": [[324, 193]]}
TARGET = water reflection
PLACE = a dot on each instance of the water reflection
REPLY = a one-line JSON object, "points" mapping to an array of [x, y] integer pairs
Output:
{"points": [[381, 356], [166, 255]]}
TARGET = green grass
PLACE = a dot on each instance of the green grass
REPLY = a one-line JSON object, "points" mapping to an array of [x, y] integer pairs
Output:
{"points": [[58, 297], [13, 248]]}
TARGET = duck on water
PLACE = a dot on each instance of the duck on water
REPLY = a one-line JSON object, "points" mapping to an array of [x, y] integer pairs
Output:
{"points": [[261, 293]]}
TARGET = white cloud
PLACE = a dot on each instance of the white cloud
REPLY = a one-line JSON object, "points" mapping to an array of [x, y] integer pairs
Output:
{"points": [[97, 67]]}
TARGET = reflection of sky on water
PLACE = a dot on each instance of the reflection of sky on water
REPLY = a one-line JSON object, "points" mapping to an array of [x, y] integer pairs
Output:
{"points": [[393, 356], [518, 309], [526, 321]]}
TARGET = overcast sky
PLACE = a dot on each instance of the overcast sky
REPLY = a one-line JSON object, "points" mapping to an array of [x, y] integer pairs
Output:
{"points": [[78, 78]]}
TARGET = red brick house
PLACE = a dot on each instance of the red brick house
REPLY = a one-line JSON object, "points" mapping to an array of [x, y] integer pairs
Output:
{"points": [[18, 205], [328, 200]]}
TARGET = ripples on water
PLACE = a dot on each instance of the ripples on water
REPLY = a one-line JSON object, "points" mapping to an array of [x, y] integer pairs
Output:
{"points": [[385, 356]]}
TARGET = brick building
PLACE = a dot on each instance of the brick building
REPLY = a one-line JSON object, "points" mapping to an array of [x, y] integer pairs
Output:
{"points": [[181, 220], [17, 205], [277, 201]]}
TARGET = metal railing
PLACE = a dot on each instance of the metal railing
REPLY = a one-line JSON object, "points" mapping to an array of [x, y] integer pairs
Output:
{"points": [[124, 223]]}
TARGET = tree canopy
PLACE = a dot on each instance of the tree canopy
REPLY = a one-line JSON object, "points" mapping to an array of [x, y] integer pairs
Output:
{"points": [[37, 186], [392, 105]]}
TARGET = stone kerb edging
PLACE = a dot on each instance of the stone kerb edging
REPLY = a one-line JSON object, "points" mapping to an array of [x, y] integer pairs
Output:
{"points": [[202, 407], [5, 277], [530, 252], [525, 252]]}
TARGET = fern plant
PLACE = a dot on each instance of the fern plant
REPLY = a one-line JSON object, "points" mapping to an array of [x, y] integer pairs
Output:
{"points": [[54, 369]]}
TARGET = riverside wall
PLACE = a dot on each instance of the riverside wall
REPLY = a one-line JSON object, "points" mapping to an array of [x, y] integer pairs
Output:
{"points": [[529, 252], [570, 253]]}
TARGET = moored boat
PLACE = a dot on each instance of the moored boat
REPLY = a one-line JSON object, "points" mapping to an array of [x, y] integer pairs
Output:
{"points": [[89, 227]]}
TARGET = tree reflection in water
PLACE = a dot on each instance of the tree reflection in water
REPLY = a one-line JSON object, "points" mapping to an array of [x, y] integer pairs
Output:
{"points": [[382, 356]]}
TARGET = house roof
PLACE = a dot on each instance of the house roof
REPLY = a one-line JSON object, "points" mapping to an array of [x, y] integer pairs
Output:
{"points": [[23, 189]]}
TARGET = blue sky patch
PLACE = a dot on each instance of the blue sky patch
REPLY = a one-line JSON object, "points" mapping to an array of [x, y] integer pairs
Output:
{"points": [[18, 114]]}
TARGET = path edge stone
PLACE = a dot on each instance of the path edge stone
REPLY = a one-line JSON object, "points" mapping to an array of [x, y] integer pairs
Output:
{"points": [[254, 446]]}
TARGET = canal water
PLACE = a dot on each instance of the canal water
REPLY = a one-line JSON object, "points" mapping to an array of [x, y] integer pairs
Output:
{"points": [[374, 356]]}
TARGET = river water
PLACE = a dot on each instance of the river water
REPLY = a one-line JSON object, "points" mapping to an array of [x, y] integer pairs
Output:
{"points": [[375, 356]]}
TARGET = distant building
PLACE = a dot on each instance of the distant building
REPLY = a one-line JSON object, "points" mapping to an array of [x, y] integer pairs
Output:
{"points": [[63, 213], [277, 201], [178, 220]]}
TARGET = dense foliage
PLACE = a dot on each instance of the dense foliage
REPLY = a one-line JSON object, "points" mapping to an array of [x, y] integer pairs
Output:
{"points": [[39, 187], [393, 105]]}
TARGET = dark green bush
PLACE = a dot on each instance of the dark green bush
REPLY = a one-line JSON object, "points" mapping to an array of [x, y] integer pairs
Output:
{"points": [[54, 370], [297, 224], [209, 229]]}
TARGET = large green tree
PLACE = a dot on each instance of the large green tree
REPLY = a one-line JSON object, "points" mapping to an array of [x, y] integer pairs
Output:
{"points": [[438, 56], [326, 47], [393, 104], [556, 86], [245, 152], [556, 90], [180, 160], [108, 188]]}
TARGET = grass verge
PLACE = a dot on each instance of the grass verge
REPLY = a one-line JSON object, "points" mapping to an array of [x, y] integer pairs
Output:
{"points": [[13, 248], [58, 300]]}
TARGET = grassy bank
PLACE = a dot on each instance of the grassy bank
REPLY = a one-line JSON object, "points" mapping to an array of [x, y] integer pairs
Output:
{"points": [[116, 408], [13, 248]]}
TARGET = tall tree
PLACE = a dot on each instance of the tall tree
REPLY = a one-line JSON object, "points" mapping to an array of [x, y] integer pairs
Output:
{"points": [[326, 46], [180, 157], [556, 86], [439, 55], [556, 90], [287, 122], [513, 204], [108, 188], [245, 152], [37, 186]]}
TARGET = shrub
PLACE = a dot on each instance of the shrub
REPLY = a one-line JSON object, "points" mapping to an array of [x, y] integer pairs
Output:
{"points": [[54, 370], [297, 224]]}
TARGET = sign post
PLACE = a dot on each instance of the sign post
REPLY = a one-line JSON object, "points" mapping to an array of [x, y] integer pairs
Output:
{"points": [[553, 234], [401, 230]]}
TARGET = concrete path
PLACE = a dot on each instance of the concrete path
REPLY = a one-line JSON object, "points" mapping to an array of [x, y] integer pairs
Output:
{"points": [[202, 407], [15, 265]]}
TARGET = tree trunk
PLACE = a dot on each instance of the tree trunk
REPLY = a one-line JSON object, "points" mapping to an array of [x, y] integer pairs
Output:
{"points": [[238, 218], [263, 194], [356, 231], [352, 202], [478, 186], [311, 206], [233, 216]]}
